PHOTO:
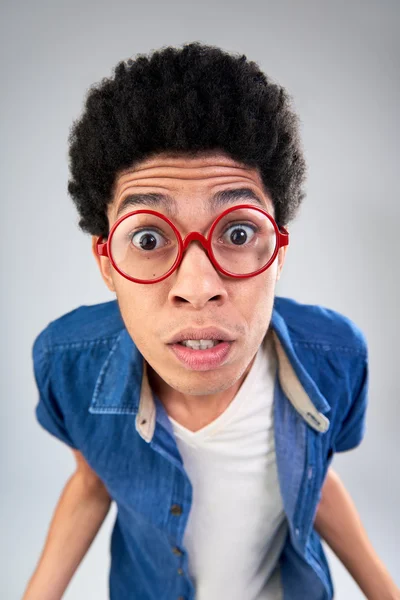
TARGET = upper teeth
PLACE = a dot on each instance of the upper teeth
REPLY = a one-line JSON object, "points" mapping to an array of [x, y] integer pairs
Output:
{"points": [[200, 344]]}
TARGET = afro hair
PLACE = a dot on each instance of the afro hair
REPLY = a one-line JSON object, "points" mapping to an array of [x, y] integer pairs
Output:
{"points": [[195, 99]]}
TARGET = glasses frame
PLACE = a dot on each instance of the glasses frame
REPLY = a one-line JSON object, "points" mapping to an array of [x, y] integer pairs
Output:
{"points": [[282, 239]]}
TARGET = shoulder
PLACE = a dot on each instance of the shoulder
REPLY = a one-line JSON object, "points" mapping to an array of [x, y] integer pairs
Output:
{"points": [[314, 325], [332, 351], [68, 356], [84, 325]]}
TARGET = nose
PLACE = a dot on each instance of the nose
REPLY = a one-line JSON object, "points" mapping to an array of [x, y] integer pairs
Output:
{"points": [[196, 280]]}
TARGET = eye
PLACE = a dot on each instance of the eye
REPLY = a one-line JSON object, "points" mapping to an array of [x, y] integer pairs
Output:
{"points": [[146, 239], [240, 233]]}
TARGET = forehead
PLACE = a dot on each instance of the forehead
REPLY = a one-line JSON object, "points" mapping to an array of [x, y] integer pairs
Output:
{"points": [[185, 181]]}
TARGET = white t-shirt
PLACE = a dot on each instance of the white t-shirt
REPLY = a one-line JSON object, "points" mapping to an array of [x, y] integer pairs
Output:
{"points": [[237, 527]]}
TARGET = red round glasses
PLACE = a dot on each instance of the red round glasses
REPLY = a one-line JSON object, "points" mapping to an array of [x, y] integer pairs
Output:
{"points": [[156, 264]]}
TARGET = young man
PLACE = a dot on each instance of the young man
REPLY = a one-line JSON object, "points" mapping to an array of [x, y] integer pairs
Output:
{"points": [[206, 407]]}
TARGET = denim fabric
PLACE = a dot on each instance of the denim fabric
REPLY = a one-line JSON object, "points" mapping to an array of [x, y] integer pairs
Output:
{"points": [[90, 376]]}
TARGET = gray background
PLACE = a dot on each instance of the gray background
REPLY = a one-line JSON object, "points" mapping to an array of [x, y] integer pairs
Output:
{"points": [[339, 60]]}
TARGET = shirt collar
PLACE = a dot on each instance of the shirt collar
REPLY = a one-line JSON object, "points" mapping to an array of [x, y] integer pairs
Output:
{"points": [[122, 386]]}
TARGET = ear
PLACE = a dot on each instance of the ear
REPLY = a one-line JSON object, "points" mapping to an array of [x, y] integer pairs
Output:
{"points": [[104, 265], [281, 261]]}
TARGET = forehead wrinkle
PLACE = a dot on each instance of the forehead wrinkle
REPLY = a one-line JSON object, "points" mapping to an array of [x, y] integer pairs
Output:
{"points": [[218, 200], [128, 178]]}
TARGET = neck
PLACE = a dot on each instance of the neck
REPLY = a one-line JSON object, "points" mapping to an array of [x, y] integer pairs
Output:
{"points": [[193, 411]]}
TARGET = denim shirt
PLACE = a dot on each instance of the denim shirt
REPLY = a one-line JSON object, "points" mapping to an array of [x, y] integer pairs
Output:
{"points": [[94, 396]]}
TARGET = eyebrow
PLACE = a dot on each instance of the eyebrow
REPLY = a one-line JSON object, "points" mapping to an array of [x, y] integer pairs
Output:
{"points": [[217, 201]]}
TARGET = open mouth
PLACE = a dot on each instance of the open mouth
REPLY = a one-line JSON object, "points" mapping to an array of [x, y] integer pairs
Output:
{"points": [[200, 344], [198, 357]]}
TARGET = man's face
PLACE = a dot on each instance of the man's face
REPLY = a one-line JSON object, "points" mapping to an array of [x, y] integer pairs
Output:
{"points": [[196, 295]]}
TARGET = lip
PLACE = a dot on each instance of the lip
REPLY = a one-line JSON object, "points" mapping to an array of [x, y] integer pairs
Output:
{"points": [[208, 333], [202, 360]]}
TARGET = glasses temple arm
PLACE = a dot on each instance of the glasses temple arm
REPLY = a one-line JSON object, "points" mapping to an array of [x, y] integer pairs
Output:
{"points": [[283, 237], [101, 247]]}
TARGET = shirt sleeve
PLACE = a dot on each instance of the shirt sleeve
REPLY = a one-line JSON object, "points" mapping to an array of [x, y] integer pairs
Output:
{"points": [[353, 426], [48, 412]]}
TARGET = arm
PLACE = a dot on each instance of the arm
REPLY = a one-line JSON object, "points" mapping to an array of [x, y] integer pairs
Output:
{"points": [[82, 508], [338, 523]]}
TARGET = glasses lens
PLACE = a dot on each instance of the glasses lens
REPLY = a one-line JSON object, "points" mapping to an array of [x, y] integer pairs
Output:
{"points": [[244, 241], [144, 246]]}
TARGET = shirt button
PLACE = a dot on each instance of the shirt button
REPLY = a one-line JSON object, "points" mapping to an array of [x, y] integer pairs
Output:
{"points": [[297, 532], [176, 551], [176, 510], [180, 571]]}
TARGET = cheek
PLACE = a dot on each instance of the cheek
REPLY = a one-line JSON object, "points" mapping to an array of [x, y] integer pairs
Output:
{"points": [[260, 298], [138, 305], [262, 288]]}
